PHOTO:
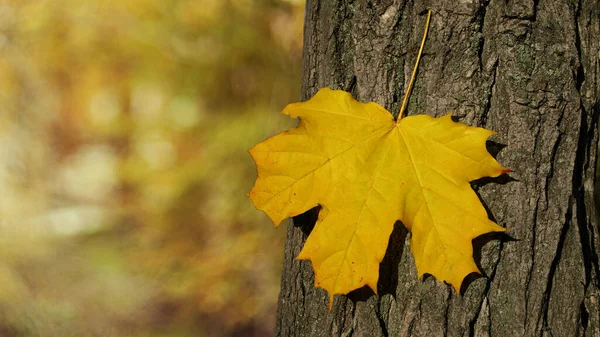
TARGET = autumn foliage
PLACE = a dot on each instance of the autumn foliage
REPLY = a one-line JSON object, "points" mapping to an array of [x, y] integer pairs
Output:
{"points": [[124, 129]]}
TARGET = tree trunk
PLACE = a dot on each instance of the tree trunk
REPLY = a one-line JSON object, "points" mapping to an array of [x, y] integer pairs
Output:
{"points": [[529, 70]]}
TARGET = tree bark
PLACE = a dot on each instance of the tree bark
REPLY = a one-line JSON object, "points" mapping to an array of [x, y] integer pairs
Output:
{"points": [[529, 70]]}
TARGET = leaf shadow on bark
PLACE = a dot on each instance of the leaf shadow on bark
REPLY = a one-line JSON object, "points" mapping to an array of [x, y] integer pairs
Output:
{"points": [[307, 220], [480, 241], [388, 268], [478, 244]]}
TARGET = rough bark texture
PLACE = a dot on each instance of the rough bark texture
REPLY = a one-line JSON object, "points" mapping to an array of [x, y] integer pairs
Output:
{"points": [[526, 69]]}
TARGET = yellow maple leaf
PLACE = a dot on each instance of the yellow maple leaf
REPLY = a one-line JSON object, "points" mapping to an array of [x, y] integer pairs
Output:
{"points": [[367, 170]]}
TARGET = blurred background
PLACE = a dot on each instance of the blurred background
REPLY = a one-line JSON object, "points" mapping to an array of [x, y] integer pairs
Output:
{"points": [[124, 130]]}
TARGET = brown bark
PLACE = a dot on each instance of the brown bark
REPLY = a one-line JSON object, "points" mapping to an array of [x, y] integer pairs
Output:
{"points": [[529, 70]]}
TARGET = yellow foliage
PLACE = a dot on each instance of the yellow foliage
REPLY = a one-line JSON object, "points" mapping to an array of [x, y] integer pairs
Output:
{"points": [[124, 127], [367, 170]]}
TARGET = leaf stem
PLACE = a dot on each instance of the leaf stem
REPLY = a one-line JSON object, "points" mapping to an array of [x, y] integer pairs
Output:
{"points": [[412, 77]]}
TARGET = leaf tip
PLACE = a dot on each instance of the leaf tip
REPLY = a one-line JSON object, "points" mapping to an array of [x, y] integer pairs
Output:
{"points": [[301, 256], [373, 286], [252, 150], [276, 221]]}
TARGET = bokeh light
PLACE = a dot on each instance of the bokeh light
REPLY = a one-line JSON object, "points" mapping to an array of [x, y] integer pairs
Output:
{"points": [[124, 130]]}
